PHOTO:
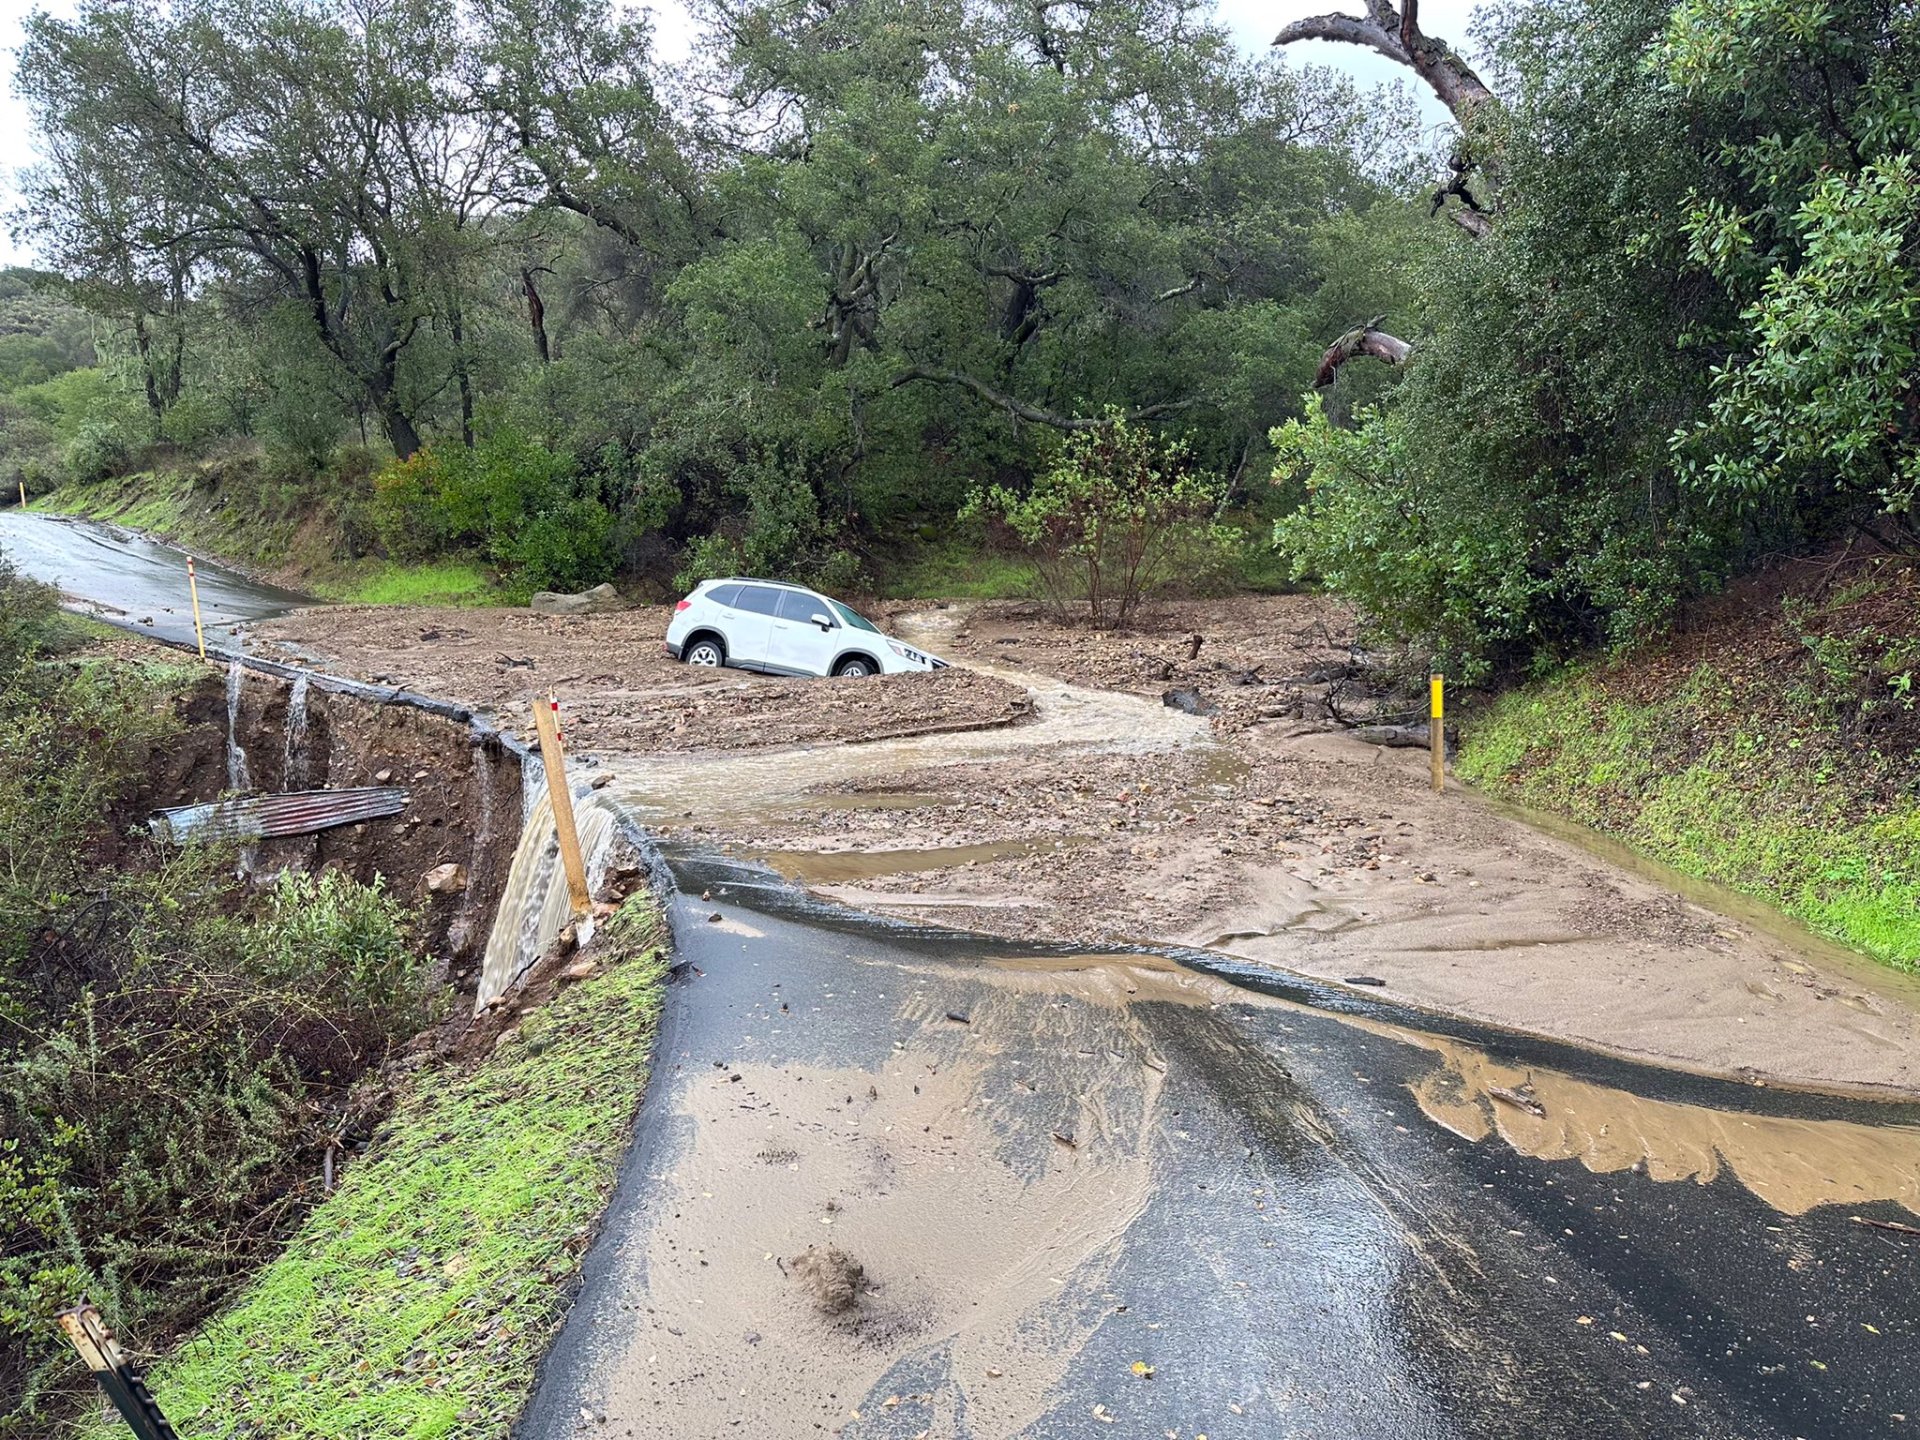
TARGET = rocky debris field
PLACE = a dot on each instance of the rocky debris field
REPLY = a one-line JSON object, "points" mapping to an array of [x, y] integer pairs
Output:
{"points": [[618, 688]]}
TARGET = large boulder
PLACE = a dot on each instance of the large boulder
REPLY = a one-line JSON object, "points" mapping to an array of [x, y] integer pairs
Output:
{"points": [[587, 602]]}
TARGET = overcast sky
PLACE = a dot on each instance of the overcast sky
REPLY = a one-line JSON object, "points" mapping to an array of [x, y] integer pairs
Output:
{"points": [[1253, 23]]}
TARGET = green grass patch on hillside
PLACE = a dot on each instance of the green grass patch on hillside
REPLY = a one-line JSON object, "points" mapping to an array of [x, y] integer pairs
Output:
{"points": [[1696, 780], [417, 1301], [450, 582], [958, 569]]}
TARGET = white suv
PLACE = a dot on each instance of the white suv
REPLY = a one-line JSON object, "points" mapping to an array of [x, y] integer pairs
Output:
{"points": [[784, 630]]}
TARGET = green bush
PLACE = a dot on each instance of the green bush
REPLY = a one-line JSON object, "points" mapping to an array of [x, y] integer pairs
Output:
{"points": [[1120, 516], [567, 548]]}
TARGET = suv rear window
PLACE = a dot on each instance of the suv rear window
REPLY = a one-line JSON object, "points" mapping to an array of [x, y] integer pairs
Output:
{"points": [[726, 595], [758, 599]]}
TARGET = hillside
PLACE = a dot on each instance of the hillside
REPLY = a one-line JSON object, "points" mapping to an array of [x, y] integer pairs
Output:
{"points": [[1771, 744]]}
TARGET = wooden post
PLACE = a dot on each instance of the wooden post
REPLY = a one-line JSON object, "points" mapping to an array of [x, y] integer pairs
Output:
{"points": [[562, 800], [1437, 728], [23, 494], [193, 589]]}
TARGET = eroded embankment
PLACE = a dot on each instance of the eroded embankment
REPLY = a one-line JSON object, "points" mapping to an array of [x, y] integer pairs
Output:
{"points": [[255, 731]]}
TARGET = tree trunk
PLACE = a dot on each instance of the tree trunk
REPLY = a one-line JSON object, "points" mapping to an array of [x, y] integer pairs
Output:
{"points": [[456, 325], [536, 317]]}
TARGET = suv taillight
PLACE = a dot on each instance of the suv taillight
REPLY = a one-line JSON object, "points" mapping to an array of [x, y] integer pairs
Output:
{"points": [[683, 605]]}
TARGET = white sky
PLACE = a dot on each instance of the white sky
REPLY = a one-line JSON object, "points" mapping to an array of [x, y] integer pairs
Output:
{"points": [[1252, 23]]}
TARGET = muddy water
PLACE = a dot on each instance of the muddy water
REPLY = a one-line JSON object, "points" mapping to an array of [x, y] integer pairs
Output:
{"points": [[536, 905], [838, 867], [1311, 1214]]}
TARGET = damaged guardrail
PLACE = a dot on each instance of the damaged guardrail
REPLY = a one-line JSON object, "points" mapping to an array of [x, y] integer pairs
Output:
{"points": [[264, 817]]}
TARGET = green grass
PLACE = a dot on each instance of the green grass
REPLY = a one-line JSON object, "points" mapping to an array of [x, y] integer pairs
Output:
{"points": [[1744, 810], [416, 1302], [451, 582], [957, 570]]}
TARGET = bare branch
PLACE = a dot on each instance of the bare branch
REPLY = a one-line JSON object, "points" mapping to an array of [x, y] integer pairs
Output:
{"points": [[1366, 340], [1021, 409]]}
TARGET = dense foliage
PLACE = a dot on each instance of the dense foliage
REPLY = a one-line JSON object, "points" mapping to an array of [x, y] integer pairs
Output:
{"points": [[1687, 340], [171, 1049], [850, 263]]}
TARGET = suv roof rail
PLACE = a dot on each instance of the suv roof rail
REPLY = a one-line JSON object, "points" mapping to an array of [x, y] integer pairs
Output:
{"points": [[754, 580]]}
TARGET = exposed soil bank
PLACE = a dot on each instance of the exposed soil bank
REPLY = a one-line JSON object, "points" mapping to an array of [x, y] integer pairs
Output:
{"points": [[463, 794], [1262, 831]]}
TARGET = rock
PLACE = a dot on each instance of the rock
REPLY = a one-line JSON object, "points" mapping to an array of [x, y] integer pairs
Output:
{"points": [[568, 940], [602, 910], [600, 782], [580, 970], [447, 879], [383, 777], [1189, 701], [587, 602]]}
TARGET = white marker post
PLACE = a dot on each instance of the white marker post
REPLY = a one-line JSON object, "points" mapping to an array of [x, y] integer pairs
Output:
{"points": [[193, 589]]}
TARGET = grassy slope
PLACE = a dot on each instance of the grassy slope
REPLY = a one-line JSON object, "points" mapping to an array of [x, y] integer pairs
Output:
{"points": [[258, 528], [1771, 751], [416, 1302]]}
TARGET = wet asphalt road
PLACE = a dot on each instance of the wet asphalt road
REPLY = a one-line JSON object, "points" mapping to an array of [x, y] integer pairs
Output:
{"points": [[1236, 1189], [131, 580]]}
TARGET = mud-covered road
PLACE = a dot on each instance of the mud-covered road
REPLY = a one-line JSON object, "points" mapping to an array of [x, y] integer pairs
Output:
{"points": [[1302, 1212]]}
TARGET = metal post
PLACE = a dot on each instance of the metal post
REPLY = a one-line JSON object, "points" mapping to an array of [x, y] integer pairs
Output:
{"points": [[1437, 728], [89, 1335], [193, 589], [546, 722]]}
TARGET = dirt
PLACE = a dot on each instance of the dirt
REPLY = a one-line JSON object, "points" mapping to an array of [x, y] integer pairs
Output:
{"points": [[463, 797], [619, 690], [1259, 827], [831, 1276]]}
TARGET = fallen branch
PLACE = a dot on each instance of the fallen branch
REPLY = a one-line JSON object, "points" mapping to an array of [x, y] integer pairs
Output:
{"points": [[1019, 408], [1368, 340]]}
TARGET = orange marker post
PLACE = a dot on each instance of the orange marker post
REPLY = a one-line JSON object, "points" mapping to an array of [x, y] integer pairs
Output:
{"points": [[1437, 728], [193, 589]]}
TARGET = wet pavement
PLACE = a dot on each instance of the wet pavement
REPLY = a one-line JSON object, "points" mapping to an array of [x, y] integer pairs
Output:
{"points": [[1304, 1210], [128, 579]]}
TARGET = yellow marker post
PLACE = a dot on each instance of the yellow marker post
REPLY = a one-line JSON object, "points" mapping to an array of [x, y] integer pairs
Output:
{"points": [[1437, 728], [23, 494], [546, 722], [193, 589]]}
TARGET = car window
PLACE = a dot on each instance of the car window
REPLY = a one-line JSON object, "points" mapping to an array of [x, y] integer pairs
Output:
{"points": [[855, 618], [799, 605], [758, 599], [725, 595]]}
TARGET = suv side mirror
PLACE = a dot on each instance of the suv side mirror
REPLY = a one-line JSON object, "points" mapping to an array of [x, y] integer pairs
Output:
{"points": [[823, 621]]}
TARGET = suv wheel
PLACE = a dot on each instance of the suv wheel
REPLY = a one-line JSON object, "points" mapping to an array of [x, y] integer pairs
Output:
{"points": [[706, 651], [856, 668]]}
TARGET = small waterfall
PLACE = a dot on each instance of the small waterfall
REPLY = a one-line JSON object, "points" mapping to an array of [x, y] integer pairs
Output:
{"points": [[534, 906], [294, 763], [239, 778]]}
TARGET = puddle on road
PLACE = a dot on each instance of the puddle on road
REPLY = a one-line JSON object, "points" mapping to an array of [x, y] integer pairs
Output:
{"points": [[1793, 1165]]}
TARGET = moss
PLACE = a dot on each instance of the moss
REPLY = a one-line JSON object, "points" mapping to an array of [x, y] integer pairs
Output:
{"points": [[1743, 808], [416, 1302]]}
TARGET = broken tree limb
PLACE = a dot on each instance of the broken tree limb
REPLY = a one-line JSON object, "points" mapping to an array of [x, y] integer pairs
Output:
{"points": [[1396, 34], [1366, 340], [1019, 408]]}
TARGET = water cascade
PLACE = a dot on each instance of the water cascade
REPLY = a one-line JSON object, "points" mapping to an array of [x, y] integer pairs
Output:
{"points": [[534, 906], [295, 758], [239, 778]]}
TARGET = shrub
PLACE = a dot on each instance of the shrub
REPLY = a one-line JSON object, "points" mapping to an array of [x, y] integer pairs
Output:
{"points": [[567, 548], [1119, 516]]}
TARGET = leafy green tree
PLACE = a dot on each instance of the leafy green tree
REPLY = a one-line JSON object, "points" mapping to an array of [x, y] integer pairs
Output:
{"points": [[1119, 516]]}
